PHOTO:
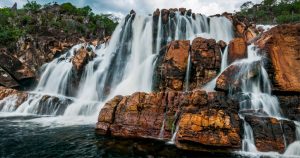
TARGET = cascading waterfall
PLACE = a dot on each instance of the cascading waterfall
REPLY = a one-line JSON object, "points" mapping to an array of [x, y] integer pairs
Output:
{"points": [[122, 67], [126, 65]]}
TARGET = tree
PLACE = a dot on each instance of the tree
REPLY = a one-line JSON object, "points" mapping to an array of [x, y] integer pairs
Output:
{"points": [[245, 6], [32, 6]]}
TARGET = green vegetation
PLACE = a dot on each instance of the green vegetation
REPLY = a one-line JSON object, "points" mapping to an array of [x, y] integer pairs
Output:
{"points": [[272, 11], [34, 18]]}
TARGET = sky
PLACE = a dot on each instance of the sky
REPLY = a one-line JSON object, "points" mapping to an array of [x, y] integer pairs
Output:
{"points": [[122, 7]]}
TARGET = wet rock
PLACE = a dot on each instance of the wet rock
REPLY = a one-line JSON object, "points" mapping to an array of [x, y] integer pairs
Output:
{"points": [[290, 105], [206, 61], [80, 59], [231, 79], [222, 44], [182, 11], [271, 134], [205, 120], [17, 71], [281, 44], [165, 16], [237, 49], [172, 66], [12, 98]]}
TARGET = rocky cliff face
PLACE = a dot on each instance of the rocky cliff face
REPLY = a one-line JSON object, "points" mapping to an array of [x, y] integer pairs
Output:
{"points": [[202, 119], [171, 69]]}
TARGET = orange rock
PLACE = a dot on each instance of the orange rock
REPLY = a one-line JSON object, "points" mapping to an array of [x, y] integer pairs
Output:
{"points": [[282, 45], [237, 50], [178, 53]]}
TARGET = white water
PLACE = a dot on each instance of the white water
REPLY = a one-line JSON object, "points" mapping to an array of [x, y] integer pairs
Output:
{"points": [[187, 73]]}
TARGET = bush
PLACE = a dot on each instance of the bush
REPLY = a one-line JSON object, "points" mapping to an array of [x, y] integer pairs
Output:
{"points": [[9, 35], [288, 18]]}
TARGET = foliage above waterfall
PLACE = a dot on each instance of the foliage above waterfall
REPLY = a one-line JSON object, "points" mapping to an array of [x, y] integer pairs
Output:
{"points": [[46, 19], [272, 11]]}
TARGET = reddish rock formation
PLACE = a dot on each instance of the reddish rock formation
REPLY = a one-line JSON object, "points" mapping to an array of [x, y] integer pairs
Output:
{"points": [[172, 64], [270, 134], [237, 49], [243, 28], [205, 120], [206, 61], [80, 59], [282, 45]]}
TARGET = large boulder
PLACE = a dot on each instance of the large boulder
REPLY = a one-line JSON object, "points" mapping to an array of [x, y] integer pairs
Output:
{"points": [[271, 134], [290, 105], [206, 61], [282, 45], [7, 80], [237, 49], [80, 59], [16, 71], [172, 65], [203, 120]]}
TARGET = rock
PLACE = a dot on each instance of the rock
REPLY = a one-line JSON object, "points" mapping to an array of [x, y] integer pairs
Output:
{"points": [[12, 98], [237, 49], [172, 65], [206, 61], [231, 78], [182, 11], [165, 16], [7, 80], [80, 59], [290, 105], [222, 44], [281, 43], [17, 71], [205, 120], [271, 134]]}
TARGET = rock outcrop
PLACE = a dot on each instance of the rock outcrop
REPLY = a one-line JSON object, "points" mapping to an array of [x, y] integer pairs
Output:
{"points": [[282, 45], [14, 73], [171, 69], [203, 120], [237, 49], [271, 134]]}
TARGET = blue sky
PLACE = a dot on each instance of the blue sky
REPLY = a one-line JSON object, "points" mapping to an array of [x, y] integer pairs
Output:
{"points": [[122, 7]]}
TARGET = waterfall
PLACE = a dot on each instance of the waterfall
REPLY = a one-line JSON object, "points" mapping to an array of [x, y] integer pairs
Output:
{"points": [[293, 149], [187, 73], [122, 67]]}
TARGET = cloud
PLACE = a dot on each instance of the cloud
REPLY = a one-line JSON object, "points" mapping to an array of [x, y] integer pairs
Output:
{"points": [[122, 7]]}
